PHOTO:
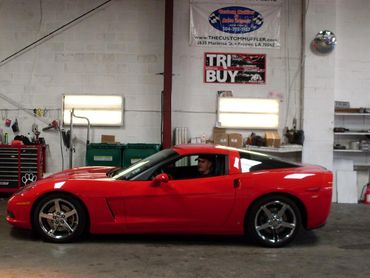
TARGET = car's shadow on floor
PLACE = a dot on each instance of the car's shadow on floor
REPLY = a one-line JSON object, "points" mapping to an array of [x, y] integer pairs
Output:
{"points": [[304, 238], [21, 234], [169, 239]]}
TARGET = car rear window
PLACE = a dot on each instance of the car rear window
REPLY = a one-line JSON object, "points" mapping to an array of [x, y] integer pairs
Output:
{"points": [[251, 161]]}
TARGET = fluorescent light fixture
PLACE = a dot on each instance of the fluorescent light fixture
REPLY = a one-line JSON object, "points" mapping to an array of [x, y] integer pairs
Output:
{"points": [[101, 110], [248, 113]]}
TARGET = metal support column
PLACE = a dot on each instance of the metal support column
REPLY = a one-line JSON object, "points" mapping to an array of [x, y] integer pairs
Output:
{"points": [[167, 80]]}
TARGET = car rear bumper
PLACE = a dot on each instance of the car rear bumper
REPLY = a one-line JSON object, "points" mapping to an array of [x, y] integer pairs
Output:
{"points": [[321, 205]]}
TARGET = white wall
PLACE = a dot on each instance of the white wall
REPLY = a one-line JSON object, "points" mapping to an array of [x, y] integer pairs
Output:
{"points": [[342, 75], [352, 75], [194, 102], [116, 50], [119, 50], [319, 86]]}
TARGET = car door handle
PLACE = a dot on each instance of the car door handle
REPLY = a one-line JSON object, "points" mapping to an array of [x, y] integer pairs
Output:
{"points": [[236, 183]]}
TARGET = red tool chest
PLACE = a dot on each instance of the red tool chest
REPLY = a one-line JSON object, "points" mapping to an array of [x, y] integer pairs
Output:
{"points": [[20, 165]]}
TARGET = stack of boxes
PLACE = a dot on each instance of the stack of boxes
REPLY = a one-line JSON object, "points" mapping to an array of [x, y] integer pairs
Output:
{"points": [[220, 137]]}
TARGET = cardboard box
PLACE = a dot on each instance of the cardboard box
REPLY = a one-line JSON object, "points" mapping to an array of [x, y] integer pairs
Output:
{"points": [[221, 139], [235, 140], [217, 130], [108, 139], [272, 139]]}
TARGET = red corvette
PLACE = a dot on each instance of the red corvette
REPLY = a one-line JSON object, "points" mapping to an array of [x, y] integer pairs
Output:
{"points": [[248, 193]]}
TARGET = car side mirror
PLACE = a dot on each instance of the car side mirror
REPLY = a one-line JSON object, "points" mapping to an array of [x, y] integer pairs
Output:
{"points": [[161, 178]]}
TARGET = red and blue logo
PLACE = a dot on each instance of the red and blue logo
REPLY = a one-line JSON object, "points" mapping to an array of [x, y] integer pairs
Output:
{"points": [[236, 20]]}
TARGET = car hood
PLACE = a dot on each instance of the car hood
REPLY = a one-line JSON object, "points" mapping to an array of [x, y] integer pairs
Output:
{"points": [[93, 172]]}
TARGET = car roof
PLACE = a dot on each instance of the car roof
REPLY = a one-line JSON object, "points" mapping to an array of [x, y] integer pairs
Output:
{"points": [[184, 149], [203, 148]]}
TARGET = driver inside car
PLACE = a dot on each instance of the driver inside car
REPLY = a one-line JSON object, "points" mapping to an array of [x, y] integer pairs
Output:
{"points": [[205, 165]]}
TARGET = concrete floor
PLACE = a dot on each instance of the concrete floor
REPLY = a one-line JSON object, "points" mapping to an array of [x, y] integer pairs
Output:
{"points": [[340, 249]]}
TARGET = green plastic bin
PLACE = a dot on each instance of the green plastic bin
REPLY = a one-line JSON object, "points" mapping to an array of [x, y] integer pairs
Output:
{"points": [[135, 152], [104, 154]]}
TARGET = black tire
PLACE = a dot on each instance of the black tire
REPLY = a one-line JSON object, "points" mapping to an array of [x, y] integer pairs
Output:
{"points": [[59, 218], [273, 221]]}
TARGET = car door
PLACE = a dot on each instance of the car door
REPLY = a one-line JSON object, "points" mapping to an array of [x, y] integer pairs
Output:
{"points": [[181, 204]]}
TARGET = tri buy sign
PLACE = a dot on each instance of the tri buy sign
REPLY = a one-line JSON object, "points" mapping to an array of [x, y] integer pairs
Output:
{"points": [[234, 68]]}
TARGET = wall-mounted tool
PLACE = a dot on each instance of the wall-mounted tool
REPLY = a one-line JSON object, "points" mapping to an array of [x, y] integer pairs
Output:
{"points": [[53, 125], [71, 148]]}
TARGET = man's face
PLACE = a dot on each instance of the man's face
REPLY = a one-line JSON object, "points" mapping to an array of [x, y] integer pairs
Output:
{"points": [[204, 166]]}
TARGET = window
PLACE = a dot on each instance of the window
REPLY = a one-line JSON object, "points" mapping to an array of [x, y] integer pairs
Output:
{"points": [[195, 166], [101, 110], [248, 113], [140, 170], [251, 161]]}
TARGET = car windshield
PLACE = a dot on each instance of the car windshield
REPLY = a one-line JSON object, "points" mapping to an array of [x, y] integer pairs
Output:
{"points": [[144, 164]]}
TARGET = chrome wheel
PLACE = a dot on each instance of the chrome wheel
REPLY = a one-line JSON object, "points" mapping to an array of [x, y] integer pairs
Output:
{"points": [[59, 218], [275, 222]]}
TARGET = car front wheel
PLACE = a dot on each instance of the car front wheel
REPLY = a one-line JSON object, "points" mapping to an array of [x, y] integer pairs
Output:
{"points": [[273, 221], [59, 218]]}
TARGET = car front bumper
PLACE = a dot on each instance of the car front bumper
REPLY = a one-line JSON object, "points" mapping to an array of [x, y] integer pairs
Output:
{"points": [[19, 212]]}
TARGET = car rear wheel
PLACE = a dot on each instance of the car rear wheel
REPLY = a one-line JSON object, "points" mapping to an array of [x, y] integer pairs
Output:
{"points": [[59, 218], [273, 221]]}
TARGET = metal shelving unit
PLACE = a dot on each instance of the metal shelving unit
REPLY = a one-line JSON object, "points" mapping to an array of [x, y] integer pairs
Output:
{"points": [[349, 151], [351, 164], [359, 130], [351, 133]]}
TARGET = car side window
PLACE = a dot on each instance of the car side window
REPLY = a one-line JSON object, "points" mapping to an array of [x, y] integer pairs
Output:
{"points": [[196, 166], [250, 162]]}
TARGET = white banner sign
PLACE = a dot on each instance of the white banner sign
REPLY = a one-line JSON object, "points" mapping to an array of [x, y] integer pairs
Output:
{"points": [[250, 24]]}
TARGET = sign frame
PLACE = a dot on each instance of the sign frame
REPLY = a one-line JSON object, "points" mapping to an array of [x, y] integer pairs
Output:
{"points": [[251, 65]]}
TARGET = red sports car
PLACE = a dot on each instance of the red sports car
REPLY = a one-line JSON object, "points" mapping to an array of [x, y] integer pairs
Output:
{"points": [[243, 192]]}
